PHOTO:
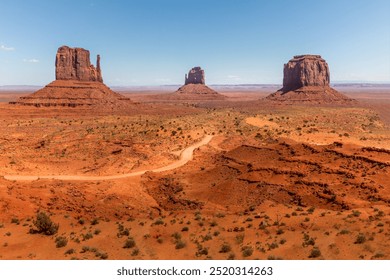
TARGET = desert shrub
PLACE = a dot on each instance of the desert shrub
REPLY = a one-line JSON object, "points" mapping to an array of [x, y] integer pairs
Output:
{"points": [[202, 251], [176, 235], [130, 243], [103, 256], [272, 257], [61, 241], [225, 248], [356, 213], [85, 249], [213, 223], [180, 244], [378, 255], [315, 253], [70, 251], [135, 252], [122, 231], [220, 215], [207, 237], [87, 236], [240, 238], [95, 222], [185, 229], [361, 238], [159, 221], [44, 224], [247, 251], [15, 221]]}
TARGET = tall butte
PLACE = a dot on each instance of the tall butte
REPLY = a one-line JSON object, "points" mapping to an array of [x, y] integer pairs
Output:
{"points": [[78, 83], [306, 80], [195, 87]]}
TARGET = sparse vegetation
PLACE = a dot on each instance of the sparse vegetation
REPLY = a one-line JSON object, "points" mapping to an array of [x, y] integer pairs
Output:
{"points": [[129, 243], [44, 224], [61, 241]]}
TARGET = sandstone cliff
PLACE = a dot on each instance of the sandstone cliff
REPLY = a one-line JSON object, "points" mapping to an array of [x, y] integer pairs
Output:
{"points": [[74, 64]]}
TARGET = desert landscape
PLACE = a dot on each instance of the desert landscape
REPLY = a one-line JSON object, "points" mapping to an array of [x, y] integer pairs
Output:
{"points": [[298, 171]]}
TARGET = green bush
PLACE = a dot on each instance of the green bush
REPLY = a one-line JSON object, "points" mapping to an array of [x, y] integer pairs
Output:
{"points": [[44, 224]]}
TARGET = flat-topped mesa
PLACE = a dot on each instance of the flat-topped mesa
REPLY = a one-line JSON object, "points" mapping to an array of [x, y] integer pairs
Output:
{"points": [[75, 64], [305, 70], [195, 76]]}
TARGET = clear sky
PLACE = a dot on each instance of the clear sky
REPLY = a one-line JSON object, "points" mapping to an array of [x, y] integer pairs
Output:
{"points": [[155, 42]]}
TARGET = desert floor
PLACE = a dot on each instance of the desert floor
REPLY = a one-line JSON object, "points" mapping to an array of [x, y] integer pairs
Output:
{"points": [[267, 182]]}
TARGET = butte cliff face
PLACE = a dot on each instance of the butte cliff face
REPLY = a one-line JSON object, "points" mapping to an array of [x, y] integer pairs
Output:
{"points": [[194, 88], [305, 70], [195, 76], [74, 64], [306, 79], [78, 83]]}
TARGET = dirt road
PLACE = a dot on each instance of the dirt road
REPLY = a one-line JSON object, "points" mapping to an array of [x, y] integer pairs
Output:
{"points": [[185, 156]]}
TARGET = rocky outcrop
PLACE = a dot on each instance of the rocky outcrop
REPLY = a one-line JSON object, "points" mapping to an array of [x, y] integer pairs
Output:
{"points": [[194, 88], [306, 80], [75, 64], [195, 76], [305, 70], [78, 83]]}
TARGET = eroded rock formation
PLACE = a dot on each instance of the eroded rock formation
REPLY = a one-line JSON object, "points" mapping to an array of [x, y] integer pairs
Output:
{"points": [[78, 83], [305, 70], [195, 76], [74, 64], [306, 80], [194, 88]]}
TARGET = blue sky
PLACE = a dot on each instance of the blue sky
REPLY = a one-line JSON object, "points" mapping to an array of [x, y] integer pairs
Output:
{"points": [[155, 42]]}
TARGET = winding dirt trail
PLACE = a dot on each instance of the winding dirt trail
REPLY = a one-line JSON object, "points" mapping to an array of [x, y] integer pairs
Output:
{"points": [[185, 156]]}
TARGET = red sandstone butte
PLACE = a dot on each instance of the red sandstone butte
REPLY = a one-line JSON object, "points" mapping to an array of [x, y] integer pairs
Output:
{"points": [[306, 80], [78, 83]]}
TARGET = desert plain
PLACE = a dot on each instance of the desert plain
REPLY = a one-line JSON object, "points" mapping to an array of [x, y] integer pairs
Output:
{"points": [[269, 181]]}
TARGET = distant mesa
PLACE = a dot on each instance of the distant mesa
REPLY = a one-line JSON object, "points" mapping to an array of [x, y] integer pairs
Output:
{"points": [[78, 83], [306, 80], [195, 88]]}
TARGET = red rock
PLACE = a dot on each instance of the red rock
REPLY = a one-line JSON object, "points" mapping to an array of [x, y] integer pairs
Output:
{"points": [[306, 80], [305, 70], [195, 76], [74, 64], [78, 83]]}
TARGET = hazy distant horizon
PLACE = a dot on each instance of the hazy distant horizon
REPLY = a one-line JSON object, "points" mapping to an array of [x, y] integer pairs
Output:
{"points": [[335, 84]]}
